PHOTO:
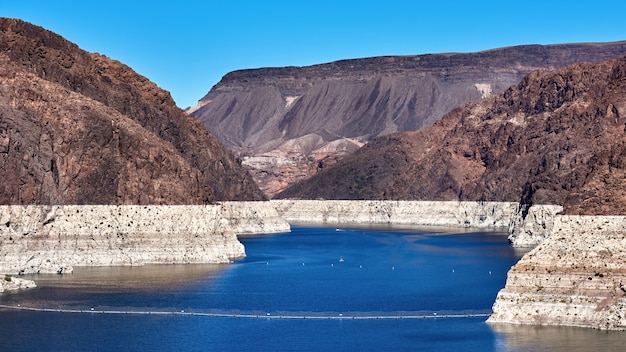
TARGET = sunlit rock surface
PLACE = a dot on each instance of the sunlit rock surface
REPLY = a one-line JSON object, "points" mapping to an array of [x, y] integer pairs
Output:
{"points": [[575, 277]]}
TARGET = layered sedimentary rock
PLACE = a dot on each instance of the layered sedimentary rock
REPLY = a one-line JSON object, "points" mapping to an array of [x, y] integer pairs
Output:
{"points": [[245, 218], [289, 123], [556, 138], [527, 226], [575, 277], [464, 214], [45, 239], [80, 128], [530, 225]]}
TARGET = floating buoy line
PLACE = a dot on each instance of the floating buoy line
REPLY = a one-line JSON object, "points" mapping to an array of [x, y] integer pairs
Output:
{"points": [[272, 315]]}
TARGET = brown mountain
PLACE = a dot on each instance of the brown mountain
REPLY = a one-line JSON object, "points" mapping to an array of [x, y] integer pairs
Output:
{"points": [[80, 128], [558, 137], [287, 123]]}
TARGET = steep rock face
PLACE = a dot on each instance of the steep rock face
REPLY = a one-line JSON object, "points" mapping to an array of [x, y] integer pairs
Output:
{"points": [[525, 230], [79, 128], [285, 121], [556, 138], [44, 238], [54, 239], [575, 277]]}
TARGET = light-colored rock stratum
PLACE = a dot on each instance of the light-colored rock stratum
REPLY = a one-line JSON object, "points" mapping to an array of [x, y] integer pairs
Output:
{"points": [[10, 283], [575, 277], [527, 225], [54, 239]]}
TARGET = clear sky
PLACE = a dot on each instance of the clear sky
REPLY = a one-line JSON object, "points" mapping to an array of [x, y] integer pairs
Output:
{"points": [[187, 46]]}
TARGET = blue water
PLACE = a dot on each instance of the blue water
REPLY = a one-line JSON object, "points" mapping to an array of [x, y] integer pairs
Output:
{"points": [[320, 273]]}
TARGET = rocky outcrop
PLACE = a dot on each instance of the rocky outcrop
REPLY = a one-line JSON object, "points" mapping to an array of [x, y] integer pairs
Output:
{"points": [[527, 226], [11, 283], [556, 138], [530, 225], [80, 128], [575, 277], [246, 218], [303, 118], [44, 239], [453, 214]]}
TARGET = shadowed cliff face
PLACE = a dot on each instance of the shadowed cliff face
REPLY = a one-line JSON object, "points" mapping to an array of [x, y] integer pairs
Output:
{"points": [[558, 137], [289, 123], [79, 128]]}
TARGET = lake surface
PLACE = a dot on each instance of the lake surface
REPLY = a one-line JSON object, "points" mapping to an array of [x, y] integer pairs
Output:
{"points": [[314, 289]]}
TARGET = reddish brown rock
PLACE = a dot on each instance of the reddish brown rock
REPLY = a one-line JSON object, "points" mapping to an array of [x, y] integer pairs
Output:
{"points": [[558, 137], [336, 107], [79, 128]]}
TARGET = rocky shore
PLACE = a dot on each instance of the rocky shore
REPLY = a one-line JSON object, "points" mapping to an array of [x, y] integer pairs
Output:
{"points": [[54, 239], [575, 277], [527, 225], [10, 283]]}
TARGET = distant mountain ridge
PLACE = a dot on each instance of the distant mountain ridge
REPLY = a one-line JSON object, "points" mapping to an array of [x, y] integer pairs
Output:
{"points": [[557, 137], [80, 128], [288, 123]]}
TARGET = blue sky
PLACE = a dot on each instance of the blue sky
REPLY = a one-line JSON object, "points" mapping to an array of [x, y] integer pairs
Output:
{"points": [[187, 46]]}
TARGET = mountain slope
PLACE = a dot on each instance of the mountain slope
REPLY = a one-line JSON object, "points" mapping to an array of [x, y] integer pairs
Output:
{"points": [[283, 121], [79, 128], [558, 137]]}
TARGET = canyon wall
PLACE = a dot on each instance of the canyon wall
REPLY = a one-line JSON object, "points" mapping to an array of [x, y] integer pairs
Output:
{"points": [[527, 225], [249, 218], [49, 239], [465, 214], [575, 277], [530, 225], [288, 123], [80, 128]]}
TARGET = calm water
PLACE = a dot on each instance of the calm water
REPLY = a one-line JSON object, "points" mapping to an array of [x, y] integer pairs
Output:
{"points": [[320, 273]]}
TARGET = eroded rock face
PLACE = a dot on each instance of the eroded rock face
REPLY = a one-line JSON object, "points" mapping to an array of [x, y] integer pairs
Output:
{"points": [[556, 138], [575, 277], [288, 115], [80, 128], [54, 239], [493, 215]]}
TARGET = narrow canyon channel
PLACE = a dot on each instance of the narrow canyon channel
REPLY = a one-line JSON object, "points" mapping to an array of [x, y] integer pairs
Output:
{"points": [[314, 289]]}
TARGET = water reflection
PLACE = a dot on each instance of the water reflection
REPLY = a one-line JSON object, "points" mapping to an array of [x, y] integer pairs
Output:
{"points": [[148, 277], [530, 338], [106, 287]]}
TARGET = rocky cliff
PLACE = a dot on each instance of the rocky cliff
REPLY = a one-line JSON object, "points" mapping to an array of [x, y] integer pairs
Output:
{"points": [[558, 137], [54, 239], [492, 215], [80, 128], [289, 123], [527, 227], [575, 277]]}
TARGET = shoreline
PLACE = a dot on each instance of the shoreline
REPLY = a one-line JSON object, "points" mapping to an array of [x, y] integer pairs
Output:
{"points": [[54, 239], [574, 276]]}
